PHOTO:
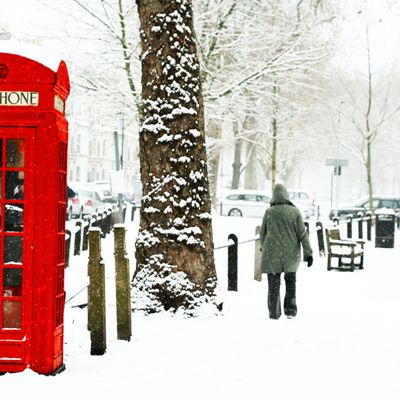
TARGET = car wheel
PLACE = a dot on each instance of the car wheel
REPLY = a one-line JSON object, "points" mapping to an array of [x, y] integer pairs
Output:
{"points": [[235, 212]]}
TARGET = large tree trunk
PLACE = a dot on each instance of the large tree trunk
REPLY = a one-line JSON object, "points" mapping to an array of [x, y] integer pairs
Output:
{"points": [[174, 248]]}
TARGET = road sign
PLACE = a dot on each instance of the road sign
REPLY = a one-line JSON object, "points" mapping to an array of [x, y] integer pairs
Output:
{"points": [[337, 162]]}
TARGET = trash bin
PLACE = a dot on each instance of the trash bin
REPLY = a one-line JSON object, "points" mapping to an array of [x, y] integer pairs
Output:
{"points": [[384, 228]]}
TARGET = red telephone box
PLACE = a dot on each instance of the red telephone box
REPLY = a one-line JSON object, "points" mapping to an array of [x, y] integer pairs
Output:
{"points": [[33, 170]]}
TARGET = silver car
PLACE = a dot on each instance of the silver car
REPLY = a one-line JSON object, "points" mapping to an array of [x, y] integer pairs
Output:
{"points": [[245, 203], [90, 201]]}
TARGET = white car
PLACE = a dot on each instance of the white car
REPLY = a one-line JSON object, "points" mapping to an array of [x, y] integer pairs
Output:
{"points": [[304, 201], [90, 201], [245, 203]]}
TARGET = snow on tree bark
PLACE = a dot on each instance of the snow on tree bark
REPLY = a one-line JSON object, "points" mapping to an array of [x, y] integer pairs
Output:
{"points": [[174, 248]]}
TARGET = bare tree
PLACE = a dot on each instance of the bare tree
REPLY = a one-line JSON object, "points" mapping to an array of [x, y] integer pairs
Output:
{"points": [[115, 50], [274, 59], [174, 248], [369, 106]]}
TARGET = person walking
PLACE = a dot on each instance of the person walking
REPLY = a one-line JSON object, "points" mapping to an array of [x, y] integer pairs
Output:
{"points": [[282, 235]]}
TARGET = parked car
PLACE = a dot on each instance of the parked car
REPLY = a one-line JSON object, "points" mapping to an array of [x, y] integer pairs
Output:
{"points": [[74, 209], [114, 198], [362, 205], [304, 201], [90, 201], [245, 203]]}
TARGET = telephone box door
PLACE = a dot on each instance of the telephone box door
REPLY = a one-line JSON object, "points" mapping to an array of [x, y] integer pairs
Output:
{"points": [[17, 177]]}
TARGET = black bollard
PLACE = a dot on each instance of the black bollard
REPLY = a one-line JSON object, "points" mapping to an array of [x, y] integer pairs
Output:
{"points": [[133, 211], [320, 236], [77, 238], [369, 224], [233, 263], [124, 207], [307, 225], [360, 225], [85, 240], [108, 221], [67, 246], [103, 223], [349, 226]]}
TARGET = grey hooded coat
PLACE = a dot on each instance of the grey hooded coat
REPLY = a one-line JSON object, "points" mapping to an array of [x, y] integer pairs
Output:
{"points": [[282, 232]]}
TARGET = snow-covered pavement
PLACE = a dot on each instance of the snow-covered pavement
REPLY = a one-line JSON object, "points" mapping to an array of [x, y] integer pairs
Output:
{"points": [[343, 344]]}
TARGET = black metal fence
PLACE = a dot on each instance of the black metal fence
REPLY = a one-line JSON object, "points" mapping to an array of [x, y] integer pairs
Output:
{"points": [[77, 232], [362, 224]]}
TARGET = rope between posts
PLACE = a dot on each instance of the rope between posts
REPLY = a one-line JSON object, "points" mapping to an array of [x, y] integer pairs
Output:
{"points": [[76, 294], [232, 244]]}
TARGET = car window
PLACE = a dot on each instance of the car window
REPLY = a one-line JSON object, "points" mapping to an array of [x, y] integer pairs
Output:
{"points": [[233, 197], [96, 196], [85, 193], [250, 197], [303, 195], [264, 199], [386, 203], [375, 204], [292, 195]]}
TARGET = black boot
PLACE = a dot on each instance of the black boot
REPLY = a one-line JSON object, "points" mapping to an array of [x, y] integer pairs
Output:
{"points": [[289, 304], [274, 298]]}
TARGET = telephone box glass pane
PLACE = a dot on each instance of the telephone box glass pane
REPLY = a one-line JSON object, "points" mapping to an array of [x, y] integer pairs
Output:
{"points": [[14, 185], [14, 218], [15, 153], [13, 249], [12, 314], [12, 282]]}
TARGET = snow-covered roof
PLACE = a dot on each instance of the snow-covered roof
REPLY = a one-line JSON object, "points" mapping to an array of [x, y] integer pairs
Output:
{"points": [[34, 52]]}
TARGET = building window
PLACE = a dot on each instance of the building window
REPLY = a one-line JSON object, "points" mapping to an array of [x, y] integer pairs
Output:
{"points": [[78, 144], [71, 144]]}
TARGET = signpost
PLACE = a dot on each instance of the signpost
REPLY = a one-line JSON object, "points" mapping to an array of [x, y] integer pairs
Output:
{"points": [[337, 163]]}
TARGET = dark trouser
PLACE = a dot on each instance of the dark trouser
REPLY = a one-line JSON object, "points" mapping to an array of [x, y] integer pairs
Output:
{"points": [[274, 298]]}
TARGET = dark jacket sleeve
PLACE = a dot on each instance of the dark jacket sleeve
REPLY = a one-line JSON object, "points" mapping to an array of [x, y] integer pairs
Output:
{"points": [[263, 230]]}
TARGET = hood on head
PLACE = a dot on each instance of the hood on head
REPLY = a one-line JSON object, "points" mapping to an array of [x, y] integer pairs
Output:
{"points": [[280, 195]]}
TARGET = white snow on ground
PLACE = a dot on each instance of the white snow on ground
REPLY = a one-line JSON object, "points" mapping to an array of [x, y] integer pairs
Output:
{"points": [[344, 343]]}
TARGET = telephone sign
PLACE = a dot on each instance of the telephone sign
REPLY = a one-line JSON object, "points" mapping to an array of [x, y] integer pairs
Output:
{"points": [[19, 98]]}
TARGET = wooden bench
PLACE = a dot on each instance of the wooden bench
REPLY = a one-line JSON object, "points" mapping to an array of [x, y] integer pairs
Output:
{"points": [[350, 253]]}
